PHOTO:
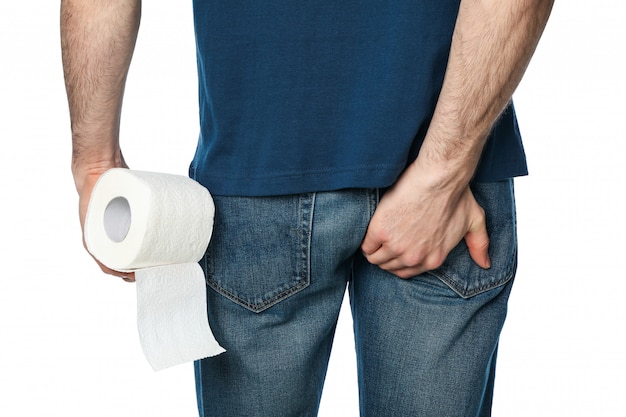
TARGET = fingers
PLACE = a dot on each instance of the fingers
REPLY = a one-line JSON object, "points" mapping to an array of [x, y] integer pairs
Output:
{"points": [[126, 276], [405, 264], [392, 256], [408, 265], [370, 244]]}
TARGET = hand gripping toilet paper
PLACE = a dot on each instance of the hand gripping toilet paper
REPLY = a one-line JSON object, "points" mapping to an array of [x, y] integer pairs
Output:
{"points": [[159, 226]]}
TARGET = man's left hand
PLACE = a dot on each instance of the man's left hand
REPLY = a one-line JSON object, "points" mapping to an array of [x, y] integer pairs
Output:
{"points": [[416, 225]]}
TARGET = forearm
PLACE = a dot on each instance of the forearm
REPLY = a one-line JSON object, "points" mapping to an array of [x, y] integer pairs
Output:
{"points": [[97, 40], [492, 45]]}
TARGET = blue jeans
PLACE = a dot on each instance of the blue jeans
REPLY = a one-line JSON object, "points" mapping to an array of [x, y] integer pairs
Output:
{"points": [[277, 270]]}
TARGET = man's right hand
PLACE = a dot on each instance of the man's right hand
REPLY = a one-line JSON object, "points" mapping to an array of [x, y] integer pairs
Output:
{"points": [[85, 182]]}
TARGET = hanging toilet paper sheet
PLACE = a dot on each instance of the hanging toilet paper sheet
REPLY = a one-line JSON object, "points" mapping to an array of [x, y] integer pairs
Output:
{"points": [[159, 226]]}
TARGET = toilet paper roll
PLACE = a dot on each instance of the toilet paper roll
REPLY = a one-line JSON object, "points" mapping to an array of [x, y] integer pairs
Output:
{"points": [[159, 226]]}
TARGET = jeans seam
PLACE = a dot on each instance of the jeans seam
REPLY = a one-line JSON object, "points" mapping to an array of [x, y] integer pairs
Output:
{"points": [[306, 239], [374, 199]]}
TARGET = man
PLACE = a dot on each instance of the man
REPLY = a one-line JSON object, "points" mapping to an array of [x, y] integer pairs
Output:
{"points": [[363, 142]]}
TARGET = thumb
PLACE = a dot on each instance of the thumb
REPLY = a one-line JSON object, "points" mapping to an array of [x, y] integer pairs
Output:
{"points": [[477, 242]]}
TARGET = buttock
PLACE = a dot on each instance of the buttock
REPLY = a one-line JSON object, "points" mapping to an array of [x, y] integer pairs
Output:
{"points": [[459, 271]]}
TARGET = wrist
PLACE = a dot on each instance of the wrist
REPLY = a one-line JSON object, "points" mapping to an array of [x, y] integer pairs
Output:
{"points": [[448, 157], [88, 167], [441, 175]]}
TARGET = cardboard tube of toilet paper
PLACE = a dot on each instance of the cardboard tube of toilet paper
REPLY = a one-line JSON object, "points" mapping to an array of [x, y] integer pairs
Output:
{"points": [[159, 226]]}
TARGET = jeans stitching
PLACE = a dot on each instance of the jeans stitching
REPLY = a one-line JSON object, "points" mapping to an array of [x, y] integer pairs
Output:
{"points": [[465, 293], [259, 307]]}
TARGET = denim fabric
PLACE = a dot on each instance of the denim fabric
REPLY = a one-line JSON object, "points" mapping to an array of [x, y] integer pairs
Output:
{"points": [[277, 270]]}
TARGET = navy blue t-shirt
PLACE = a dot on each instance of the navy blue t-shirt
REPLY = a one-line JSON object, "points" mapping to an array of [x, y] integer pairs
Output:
{"points": [[317, 95]]}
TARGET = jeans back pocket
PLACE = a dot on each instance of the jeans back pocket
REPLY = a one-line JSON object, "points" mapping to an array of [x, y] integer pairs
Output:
{"points": [[459, 271], [259, 252]]}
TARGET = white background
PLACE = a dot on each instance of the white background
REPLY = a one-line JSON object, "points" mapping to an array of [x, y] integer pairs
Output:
{"points": [[68, 341]]}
